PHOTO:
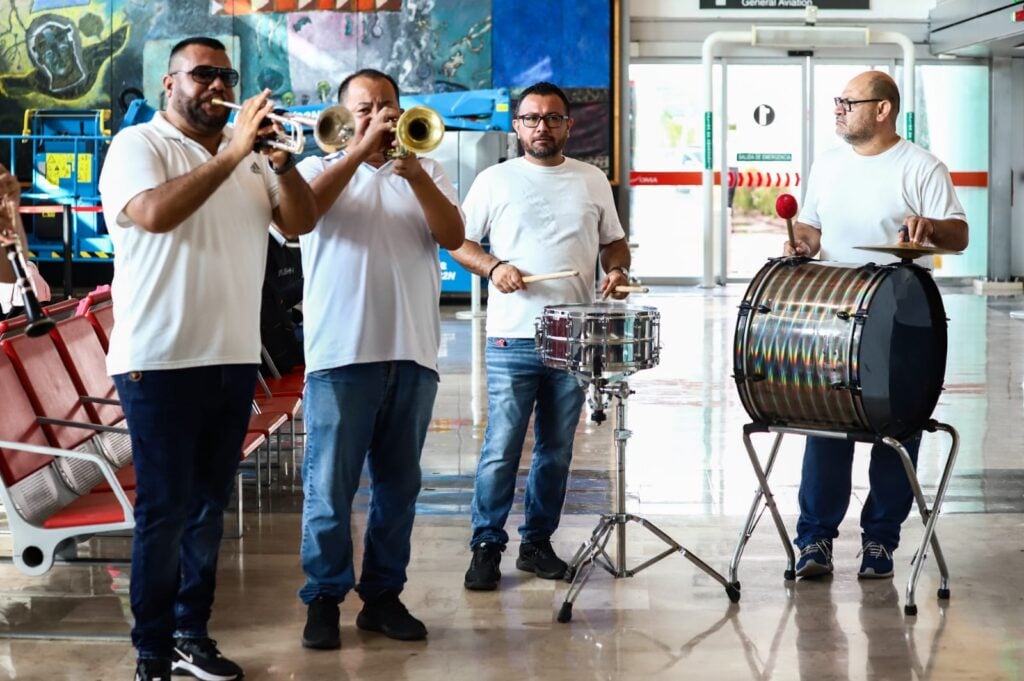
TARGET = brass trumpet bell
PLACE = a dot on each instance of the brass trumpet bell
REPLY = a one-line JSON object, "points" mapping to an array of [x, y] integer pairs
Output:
{"points": [[419, 130], [335, 127]]}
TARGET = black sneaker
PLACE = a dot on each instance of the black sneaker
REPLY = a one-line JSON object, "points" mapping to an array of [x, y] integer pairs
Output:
{"points": [[483, 573], [153, 669], [321, 632], [200, 658], [387, 615], [539, 558]]}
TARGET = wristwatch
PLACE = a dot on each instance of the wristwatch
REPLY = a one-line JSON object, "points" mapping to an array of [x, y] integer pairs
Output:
{"points": [[620, 268], [288, 165]]}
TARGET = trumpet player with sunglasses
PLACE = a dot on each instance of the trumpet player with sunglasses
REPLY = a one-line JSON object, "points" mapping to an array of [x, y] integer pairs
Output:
{"points": [[187, 204]]}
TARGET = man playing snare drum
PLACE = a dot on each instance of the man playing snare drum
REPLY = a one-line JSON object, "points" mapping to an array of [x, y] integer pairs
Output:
{"points": [[859, 195], [544, 213]]}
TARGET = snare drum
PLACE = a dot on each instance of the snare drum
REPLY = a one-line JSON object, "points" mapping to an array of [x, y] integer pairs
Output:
{"points": [[596, 338], [846, 348]]}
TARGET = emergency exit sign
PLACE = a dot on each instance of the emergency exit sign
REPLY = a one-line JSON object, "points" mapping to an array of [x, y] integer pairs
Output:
{"points": [[784, 4], [764, 157]]}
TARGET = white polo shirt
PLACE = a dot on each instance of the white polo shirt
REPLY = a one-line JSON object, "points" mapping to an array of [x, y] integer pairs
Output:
{"points": [[541, 219], [189, 297], [372, 275]]}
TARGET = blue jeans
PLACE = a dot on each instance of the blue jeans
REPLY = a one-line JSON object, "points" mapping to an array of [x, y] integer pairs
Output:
{"points": [[517, 381], [187, 427], [376, 413], [825, 487]]}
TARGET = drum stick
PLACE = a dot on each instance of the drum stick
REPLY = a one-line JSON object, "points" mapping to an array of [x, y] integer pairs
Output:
{"points": [[632, 289], [530, 278]]}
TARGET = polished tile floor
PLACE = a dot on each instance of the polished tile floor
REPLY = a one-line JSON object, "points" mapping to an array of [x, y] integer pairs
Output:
{"points": [[687, 470]]}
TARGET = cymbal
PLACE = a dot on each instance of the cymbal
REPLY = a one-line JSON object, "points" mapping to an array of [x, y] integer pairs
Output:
{"points": [[908, 251]]}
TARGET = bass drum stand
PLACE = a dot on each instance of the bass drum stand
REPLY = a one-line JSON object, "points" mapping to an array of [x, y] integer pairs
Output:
{"points": [[595, 550], [929, 516]]}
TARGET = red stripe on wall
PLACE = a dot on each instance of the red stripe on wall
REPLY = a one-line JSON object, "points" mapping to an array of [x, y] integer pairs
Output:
{"points": [[640, 178], [978, 179]]}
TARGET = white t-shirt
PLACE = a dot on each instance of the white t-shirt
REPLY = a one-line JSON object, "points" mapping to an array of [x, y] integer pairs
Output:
{"points": [[860, 200], [372, 274], [189, 297], [541, 219]]}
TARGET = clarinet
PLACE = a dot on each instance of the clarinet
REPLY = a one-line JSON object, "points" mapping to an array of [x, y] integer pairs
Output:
{"points": [[38, 323]]}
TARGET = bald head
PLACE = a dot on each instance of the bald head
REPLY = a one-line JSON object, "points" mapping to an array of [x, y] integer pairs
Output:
{"points": [[879, 85]]}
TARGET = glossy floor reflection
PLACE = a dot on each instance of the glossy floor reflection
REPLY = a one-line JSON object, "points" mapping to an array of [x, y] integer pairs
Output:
{"points": [[688, 472]]}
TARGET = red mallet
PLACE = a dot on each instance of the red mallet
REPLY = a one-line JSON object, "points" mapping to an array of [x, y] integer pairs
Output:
{"points": [[786, 208]]}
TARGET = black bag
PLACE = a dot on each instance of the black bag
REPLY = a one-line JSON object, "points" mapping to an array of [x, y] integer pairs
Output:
{"points": [[279, 321]]}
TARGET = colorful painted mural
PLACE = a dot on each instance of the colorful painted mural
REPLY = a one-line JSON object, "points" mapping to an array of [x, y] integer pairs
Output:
{"points": [[97, 54]]}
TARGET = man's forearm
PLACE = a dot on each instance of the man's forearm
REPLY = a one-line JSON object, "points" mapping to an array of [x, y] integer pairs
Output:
{"points": [[161, 209], [296, 212], [615, 255], [474, 258], [950, 234], [443, 217]]}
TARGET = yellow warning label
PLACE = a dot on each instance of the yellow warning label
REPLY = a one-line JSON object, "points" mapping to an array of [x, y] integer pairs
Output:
{"points": [[60, 166]]}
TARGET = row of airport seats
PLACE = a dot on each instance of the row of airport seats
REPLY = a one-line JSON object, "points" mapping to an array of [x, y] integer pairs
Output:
{"points": [[65, 451]]}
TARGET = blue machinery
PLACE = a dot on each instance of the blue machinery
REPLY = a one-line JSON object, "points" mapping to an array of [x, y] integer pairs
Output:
{"points": [[61, 204]]}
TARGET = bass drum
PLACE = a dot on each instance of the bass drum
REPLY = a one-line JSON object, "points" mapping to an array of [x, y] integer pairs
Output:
{"points": [[846, 348]]}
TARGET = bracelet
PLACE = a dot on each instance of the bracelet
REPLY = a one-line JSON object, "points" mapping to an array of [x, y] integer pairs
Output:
{"points": [[288, 165], [496, 266]]}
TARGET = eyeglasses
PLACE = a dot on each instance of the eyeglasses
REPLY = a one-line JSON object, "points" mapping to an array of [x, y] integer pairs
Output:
{"points": [[847, 104], [552, 120], [205, 74]]}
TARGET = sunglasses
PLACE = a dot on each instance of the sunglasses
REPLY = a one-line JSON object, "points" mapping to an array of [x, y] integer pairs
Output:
{"points": [[205, 74]]}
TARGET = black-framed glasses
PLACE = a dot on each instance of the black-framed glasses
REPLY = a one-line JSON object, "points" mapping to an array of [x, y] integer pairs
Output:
{"points": [[847, 104], [552, 120], [206, 74]]}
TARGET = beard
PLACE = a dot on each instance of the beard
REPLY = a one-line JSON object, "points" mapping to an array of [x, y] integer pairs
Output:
{"points": [[544, 152], [863, 134], [203, 122]]}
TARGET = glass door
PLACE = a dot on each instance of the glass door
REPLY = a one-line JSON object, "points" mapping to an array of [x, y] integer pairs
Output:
{"points": [[778, 117], [765, 151], [667, 130]]}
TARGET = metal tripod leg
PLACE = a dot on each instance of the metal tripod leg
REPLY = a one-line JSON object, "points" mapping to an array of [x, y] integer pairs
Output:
{"points": [[754, 517], [595, 550], [583, 563], [928, 517], [763, 493]]}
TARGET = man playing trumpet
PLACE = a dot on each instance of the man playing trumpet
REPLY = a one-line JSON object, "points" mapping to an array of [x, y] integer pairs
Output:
{"points": [[187, 204], [372, 333]]}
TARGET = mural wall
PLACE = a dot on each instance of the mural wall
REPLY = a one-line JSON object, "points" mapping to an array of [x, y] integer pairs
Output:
{"points": [[88, 54]]}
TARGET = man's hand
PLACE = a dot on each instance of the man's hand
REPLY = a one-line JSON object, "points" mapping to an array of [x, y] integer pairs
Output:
{"points": [[507, 278], [800, 248], [376, 131], [919, 229], [248, 125], [409, 167], [611, 280]]}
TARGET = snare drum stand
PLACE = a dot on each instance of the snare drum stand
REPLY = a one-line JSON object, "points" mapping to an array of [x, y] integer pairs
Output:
{"points": [[594, 551]]}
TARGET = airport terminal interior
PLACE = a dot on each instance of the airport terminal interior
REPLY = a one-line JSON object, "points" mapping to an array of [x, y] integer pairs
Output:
{"points": [[683, 494]]}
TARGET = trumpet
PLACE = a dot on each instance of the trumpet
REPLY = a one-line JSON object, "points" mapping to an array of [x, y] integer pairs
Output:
{"points": [[38, 323], [333, 128], [418, 131]]}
